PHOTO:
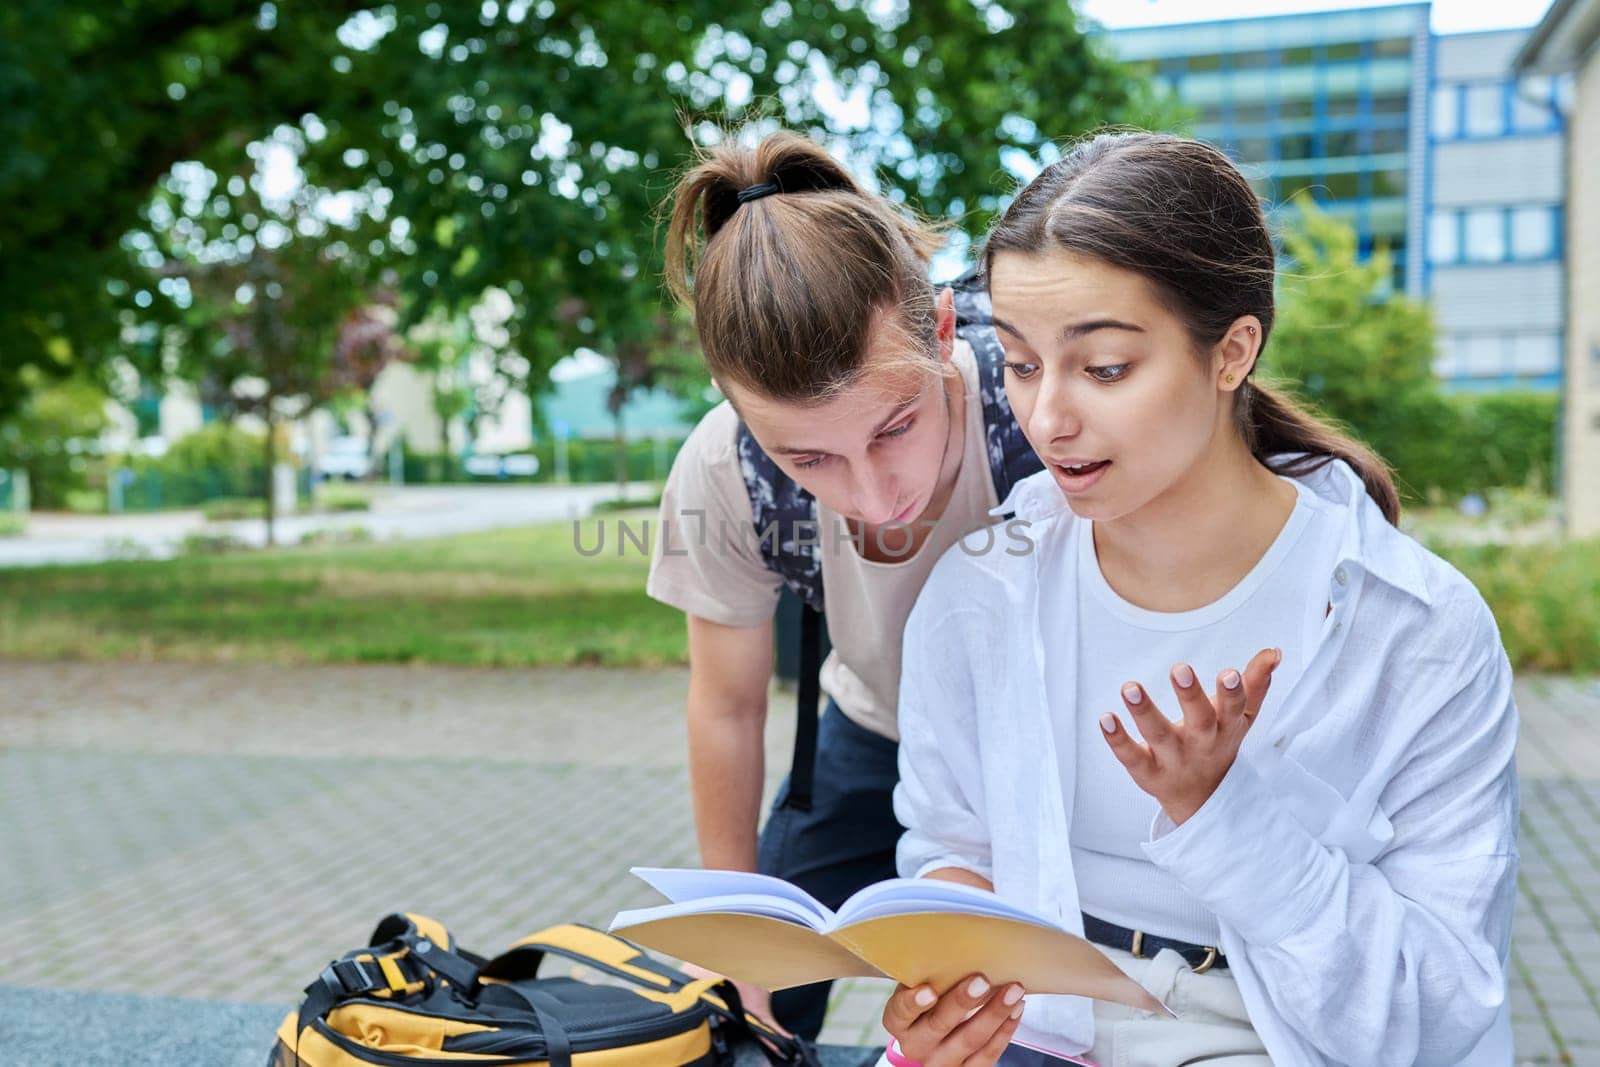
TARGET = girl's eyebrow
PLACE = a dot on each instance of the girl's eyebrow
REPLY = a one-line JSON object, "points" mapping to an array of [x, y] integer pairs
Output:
{"points": [[1075, 330]]}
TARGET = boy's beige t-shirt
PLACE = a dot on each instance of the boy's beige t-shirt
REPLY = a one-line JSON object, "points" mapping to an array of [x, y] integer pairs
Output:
{"points": [[707, 559]]}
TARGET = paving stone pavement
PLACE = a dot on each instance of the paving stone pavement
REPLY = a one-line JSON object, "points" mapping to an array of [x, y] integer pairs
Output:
{"points": [[220, 831]]}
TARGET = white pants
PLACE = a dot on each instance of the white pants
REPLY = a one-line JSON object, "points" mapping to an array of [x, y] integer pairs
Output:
{"points": [[1212, 1027]]}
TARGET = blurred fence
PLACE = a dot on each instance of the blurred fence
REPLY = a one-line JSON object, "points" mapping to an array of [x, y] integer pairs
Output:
{"points": [[13, 490], [578, 461]]}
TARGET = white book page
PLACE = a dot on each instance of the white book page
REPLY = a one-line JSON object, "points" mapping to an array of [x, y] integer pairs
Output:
{"points": [[733, 904], [681, 885], [904, 896]]}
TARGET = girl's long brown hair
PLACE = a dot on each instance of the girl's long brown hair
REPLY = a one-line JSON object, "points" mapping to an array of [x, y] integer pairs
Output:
{"points": [[787, 288], [1179, 213]]}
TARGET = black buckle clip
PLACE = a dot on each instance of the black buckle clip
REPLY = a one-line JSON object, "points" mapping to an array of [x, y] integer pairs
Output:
{"points": [[349, 978]]}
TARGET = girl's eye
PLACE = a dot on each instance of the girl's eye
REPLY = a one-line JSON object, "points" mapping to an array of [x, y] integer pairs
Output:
{"points": [[898, 430], [809, 464], [1108, 374], [1022, 371]]}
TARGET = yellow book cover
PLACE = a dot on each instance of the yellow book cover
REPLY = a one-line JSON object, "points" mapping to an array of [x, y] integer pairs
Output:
{"points": [[769, 933]]}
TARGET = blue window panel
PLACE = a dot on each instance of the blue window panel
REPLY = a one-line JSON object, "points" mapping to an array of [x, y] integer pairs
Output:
{"points": [[1444, 237], [1485, 110], [1535, 354], [1446, 117], [1533, 233], [1533, 106], [1486, 235]]}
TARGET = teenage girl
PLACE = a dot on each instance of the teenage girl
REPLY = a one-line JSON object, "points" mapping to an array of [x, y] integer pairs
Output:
{"points": [[1322, 872]]}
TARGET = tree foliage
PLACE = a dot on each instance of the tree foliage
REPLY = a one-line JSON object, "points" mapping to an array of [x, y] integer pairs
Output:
{"points": [[1363, 355], [517, 144]]}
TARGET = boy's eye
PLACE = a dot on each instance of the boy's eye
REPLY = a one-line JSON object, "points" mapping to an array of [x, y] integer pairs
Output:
{"points": [[1114, 373], [810, 462], [898, 430], [1022, 371]]}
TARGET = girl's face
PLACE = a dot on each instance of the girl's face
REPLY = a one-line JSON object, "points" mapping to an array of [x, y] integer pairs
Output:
{"points": [[874, 452], [1104, 380]]}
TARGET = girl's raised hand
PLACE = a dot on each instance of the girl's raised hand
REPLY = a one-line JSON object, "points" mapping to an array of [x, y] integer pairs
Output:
{"points": [[970, 1026], [1181, 763]]}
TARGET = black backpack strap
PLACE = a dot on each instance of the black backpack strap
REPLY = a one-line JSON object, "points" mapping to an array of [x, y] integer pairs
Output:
{"points": [[1011, 458], [785, 517], [384, 971], [802, 771]]}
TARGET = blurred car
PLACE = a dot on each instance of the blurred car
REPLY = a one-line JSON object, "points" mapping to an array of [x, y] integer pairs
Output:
{"points": [[345, 457], [519, 465]]}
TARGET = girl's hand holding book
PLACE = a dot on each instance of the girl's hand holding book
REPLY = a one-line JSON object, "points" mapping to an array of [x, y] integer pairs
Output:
{"points": [[1182, 763], [969, 1026]]}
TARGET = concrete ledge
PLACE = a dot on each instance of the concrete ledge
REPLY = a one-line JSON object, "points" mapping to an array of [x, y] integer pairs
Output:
{"points": [[63, 1028]]}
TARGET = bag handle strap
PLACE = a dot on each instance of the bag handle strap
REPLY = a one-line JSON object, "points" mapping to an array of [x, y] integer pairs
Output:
{"points": [[624, 959], [781, 1050], [584, 944]]}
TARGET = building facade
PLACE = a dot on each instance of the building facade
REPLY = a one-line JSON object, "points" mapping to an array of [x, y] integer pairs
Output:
{"points": [[1330, 103], [1495, 194], [1429, 146], [1567, 42]]}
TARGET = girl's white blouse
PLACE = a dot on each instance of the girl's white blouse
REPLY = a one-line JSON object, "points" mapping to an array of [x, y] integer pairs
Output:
{"points": [[1361, 854]]}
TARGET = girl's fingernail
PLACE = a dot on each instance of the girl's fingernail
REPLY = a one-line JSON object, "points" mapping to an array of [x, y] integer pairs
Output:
{"points": [[1277, 656], [1108, 723], [1132, 694], [924, 997], [1230, 679], [1183, 675], [977, 988], [1016, 1012], [1013, 994]]}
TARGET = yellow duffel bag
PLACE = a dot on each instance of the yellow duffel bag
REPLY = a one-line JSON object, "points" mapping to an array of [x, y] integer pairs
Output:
{"points": [[412, 997]]}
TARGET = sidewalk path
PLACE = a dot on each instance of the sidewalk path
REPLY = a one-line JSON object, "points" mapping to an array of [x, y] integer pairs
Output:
{"points": [[402, 512], [221, 831]]}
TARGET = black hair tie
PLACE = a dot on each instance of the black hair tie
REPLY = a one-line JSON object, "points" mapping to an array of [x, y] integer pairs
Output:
{"points": [[756, 192]]}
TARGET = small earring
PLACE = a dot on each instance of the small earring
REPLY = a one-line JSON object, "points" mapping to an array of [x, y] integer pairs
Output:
{"points": [[1252, 330], [1229, 379]]}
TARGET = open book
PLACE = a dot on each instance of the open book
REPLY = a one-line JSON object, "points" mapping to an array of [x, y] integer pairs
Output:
{"points": [[764, 931]]}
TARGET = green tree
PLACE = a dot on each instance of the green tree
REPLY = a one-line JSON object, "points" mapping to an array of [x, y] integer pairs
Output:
{"points": [[98, 101], [263, 320], [522, 144], [1359, 352], [51, 436], [442, 344]]}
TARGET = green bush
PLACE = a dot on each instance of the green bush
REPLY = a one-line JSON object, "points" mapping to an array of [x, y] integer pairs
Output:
{"points": [[337, 535], [1446, 445], [1545, 597], [331, 497], [233, 508], [52, 438], [86, 501], [12, 524], [630, 504], [211, 544], [216, 461]]}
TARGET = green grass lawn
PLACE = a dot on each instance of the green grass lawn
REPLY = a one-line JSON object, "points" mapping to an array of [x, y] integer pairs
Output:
{"points": [[526, 597], [520, 597]]}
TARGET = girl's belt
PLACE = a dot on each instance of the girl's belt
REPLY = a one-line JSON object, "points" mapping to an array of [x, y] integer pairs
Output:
{"points": [[1200, 957]]}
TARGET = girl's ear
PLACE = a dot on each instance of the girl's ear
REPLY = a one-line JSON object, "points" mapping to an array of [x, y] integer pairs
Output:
{"points": [[944, 323], [1237, 353]]}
